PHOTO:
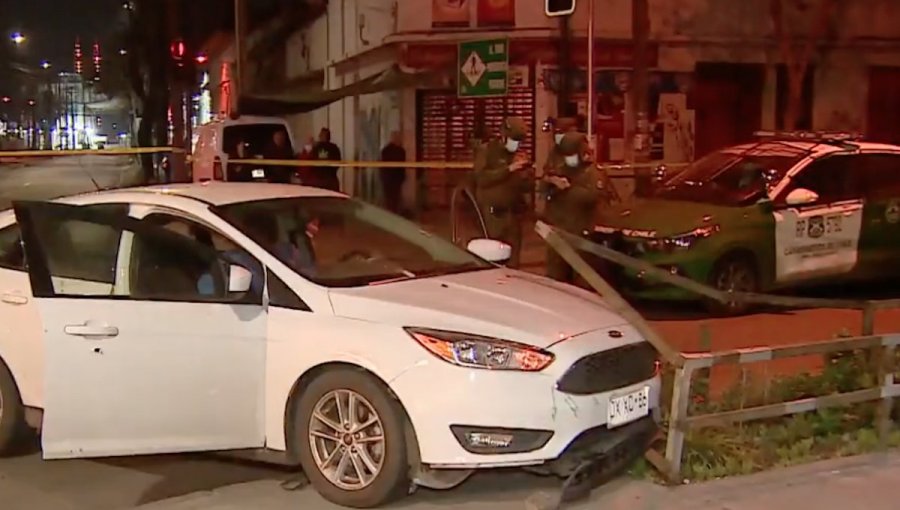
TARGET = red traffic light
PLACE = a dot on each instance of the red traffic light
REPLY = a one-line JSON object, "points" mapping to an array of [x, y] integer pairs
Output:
{"points": [[6, 99], [177, 49]]}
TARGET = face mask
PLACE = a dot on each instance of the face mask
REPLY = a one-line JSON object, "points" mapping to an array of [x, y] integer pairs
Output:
{"points": [[512, 145], [558, 137], [572, 160]]}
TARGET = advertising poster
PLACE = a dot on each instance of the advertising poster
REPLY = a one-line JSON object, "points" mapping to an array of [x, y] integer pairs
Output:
{"points": [[494, 13], [450, 13]]}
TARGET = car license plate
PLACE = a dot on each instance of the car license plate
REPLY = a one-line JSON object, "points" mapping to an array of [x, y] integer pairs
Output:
{"points": [[628, 408], [258, 173]]}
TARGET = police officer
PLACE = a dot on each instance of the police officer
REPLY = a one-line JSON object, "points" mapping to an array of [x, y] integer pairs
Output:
{"points": [[562, 126], [572, 194], [501, 177]]}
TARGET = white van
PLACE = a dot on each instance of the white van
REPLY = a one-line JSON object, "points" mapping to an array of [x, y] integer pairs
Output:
{"points": [[218, 140]]}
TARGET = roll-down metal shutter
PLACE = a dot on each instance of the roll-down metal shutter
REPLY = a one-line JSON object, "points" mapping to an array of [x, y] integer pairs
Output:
{"points": [[445, 124]]}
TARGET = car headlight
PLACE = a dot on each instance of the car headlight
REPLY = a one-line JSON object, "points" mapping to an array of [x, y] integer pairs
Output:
{"points": [[474, 351], [680, 242]]}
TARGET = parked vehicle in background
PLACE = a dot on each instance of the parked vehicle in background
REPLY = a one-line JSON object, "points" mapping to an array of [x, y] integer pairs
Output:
{"points": [[311, 329], [244, 137], [792, 210]]}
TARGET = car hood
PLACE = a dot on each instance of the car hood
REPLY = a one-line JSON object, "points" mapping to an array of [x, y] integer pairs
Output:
{"points": [[500, 303], [654, 218]]}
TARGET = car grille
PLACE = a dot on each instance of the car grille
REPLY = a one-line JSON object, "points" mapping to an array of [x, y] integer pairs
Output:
{"points": [[609, 370]]}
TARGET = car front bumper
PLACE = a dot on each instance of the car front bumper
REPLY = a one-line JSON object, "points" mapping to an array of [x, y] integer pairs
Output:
{"points": [[549, 427]]}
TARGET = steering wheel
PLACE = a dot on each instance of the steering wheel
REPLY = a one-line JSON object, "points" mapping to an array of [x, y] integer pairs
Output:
{"points": [[356, 254]]}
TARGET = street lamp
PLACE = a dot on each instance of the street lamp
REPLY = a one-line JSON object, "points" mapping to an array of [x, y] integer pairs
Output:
{"points": [[17, 38], [45, 64]]}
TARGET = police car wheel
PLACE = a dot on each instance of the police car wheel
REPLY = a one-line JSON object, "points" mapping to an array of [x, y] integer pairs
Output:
{"points": [[733, 273], [12, 414]]}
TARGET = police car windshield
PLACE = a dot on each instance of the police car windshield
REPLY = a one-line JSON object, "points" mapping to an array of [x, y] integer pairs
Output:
{"points": [[341, 242], [731, 177]]}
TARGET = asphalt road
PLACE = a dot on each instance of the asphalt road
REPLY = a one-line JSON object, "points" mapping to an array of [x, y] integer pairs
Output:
{"points": [[45, 178]]}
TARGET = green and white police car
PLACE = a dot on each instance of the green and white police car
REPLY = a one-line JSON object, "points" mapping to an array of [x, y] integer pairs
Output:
{"points": [[790, 210]]}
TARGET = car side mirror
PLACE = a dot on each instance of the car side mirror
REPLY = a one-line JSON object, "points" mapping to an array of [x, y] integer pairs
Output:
{"points": [[490, 250], [801, 196], [239, 279]]}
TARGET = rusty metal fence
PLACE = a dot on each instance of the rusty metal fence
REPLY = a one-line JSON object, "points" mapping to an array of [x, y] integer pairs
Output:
{"points": [[882, 348]]}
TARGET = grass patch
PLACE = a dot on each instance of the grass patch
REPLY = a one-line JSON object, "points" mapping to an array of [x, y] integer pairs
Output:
{"points": [[750, 447]]}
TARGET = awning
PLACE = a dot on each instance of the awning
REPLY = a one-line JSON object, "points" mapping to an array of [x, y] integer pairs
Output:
{"points": [[302, 99]]}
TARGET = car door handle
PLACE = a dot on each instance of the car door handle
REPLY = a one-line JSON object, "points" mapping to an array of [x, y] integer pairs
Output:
{"points": [[89, 330], [14, 299]]}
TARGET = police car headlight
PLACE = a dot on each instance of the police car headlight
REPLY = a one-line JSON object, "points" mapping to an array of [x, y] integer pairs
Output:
{"points": [[681, 242]]}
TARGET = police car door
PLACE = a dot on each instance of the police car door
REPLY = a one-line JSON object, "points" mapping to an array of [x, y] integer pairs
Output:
{"points": [[818, 217]]}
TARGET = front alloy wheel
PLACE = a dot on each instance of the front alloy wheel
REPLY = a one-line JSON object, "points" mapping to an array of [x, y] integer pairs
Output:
{"points": [[349, 432], [346, 439]]}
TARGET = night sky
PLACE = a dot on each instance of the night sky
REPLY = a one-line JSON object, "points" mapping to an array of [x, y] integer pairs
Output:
{"points": [[52, 26]]}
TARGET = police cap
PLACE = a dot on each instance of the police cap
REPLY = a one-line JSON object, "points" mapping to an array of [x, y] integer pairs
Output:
{"points": [[572, 143], [515, 128]]}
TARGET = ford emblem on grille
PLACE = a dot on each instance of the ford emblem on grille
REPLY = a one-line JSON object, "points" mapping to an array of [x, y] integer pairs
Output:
{"points": [[614, 333]]}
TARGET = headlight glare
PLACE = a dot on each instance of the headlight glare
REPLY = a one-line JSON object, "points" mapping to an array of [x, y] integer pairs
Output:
{"points": [[682, 241], [474, 351]]}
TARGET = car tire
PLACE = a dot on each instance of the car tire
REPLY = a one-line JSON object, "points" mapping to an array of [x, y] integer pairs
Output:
{"points": [[355, 450], [12, 414], [738, 273]]}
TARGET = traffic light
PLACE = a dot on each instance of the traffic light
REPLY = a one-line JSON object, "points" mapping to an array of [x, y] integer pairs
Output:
{"points": [[177, 50], [559, 7]]}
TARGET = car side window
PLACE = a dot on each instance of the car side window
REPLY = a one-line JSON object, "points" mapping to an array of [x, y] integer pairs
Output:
{"points": [[881, 175], [11, 254], [282, 296], [190, 264], [833, 178], [81, 254]]}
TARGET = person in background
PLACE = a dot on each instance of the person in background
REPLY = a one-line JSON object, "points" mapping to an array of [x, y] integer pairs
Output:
{"points": [[392, 178], [238, 172], [279, 148], [326, 150], [307, 174]]}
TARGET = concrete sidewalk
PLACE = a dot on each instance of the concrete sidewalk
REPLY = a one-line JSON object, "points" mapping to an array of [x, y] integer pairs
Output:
{"points": [[868, 482]]}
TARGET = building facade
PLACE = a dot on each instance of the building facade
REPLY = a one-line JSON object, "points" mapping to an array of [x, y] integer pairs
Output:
{"points": [[717, 73]]}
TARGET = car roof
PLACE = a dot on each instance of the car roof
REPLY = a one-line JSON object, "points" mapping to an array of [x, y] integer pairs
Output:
{"points": [[216, 193], [787, 147]]}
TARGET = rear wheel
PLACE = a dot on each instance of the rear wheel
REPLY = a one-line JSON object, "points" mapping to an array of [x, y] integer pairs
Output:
{"points": [[733, 273], [350, 437], [12, 414]]}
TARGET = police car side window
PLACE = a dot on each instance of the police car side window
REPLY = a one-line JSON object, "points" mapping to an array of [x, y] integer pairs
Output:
{"points": [[832, 178], [881, 173]]}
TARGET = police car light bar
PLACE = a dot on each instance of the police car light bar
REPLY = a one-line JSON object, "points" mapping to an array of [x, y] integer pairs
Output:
{"points": [[810, 136]]}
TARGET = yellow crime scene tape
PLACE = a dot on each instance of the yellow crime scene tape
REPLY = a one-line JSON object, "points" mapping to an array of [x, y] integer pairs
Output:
{"points": [[429, 165]]}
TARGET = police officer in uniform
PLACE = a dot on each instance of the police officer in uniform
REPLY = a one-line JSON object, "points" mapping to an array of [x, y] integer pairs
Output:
{"points": [[501, 177], [572, 193], [562, 126]]}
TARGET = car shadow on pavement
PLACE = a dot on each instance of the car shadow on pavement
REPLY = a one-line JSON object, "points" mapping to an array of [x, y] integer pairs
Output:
{"points": [[181, 475]]}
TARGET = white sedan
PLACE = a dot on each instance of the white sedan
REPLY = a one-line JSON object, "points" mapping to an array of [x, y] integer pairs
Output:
{"points": [[308, 328]]}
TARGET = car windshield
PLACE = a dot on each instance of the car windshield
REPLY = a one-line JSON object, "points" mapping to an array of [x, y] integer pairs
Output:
{"points": [[732, 177], [341, 242]]}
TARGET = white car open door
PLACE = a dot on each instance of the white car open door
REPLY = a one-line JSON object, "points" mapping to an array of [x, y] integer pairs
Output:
{"points": [[151, 366]]}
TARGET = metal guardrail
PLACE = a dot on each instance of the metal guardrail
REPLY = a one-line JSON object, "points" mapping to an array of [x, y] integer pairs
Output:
{"points": [[686, 364]]}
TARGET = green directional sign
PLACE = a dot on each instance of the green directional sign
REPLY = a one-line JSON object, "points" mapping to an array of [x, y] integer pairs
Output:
{"points": [[483, 68]]}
